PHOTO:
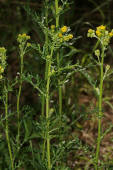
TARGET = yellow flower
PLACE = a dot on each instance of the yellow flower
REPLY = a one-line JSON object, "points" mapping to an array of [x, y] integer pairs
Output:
{"points": [[66, 38], [98, 33], [90, 31], [101, 27], [111, 34], [52, 27], [70, 36], [23, 37], [60, 35], [64, 29]]}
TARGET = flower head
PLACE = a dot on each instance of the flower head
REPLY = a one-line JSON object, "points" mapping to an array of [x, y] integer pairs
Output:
{"points": [[111, 34], [66, 38], [101, 31], [91, 33], [102, 34], [101, 27], [98, 33], [60, 35], [70, 36], [23, 38], [64, 29], [52, 27]]}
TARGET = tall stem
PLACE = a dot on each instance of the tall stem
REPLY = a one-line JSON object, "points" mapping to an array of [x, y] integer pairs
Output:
{"points": [[46, 41], [47, 107], [57, 16], [100, 109], [18, 98], [46, 68], [58, 63], [7, 127]]}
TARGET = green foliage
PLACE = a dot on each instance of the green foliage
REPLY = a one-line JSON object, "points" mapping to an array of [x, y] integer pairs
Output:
{"points": [[55, 91]]}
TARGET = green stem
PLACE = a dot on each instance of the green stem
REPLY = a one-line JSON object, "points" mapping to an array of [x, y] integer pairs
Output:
{"points": [[43, 152], [57, 16], [47, 107], [60, 100], [58, 63], [46, 68], [7, 127], [31, 145], [43, 97], [100, 109], [46, 41], [43, 106], [18, 98]]}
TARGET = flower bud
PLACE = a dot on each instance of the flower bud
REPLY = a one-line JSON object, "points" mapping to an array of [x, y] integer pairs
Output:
{"points": [[97, 53], [107, 67]]}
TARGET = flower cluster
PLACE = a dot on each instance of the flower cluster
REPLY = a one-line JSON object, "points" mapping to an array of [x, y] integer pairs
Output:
{"points": [[102, 34], [62, 34], [23, 38], [2, 60], [23, 44]]}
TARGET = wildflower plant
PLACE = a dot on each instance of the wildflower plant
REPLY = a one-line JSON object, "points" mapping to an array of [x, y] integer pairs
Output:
{"points": [[46, 135], [104, 37], [56, 43], [55, 38], [3, 64], [23, 47]]}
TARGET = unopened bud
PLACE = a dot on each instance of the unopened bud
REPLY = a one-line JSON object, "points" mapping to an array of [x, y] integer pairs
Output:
{"points": [[107, 67], [97, 53]]}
